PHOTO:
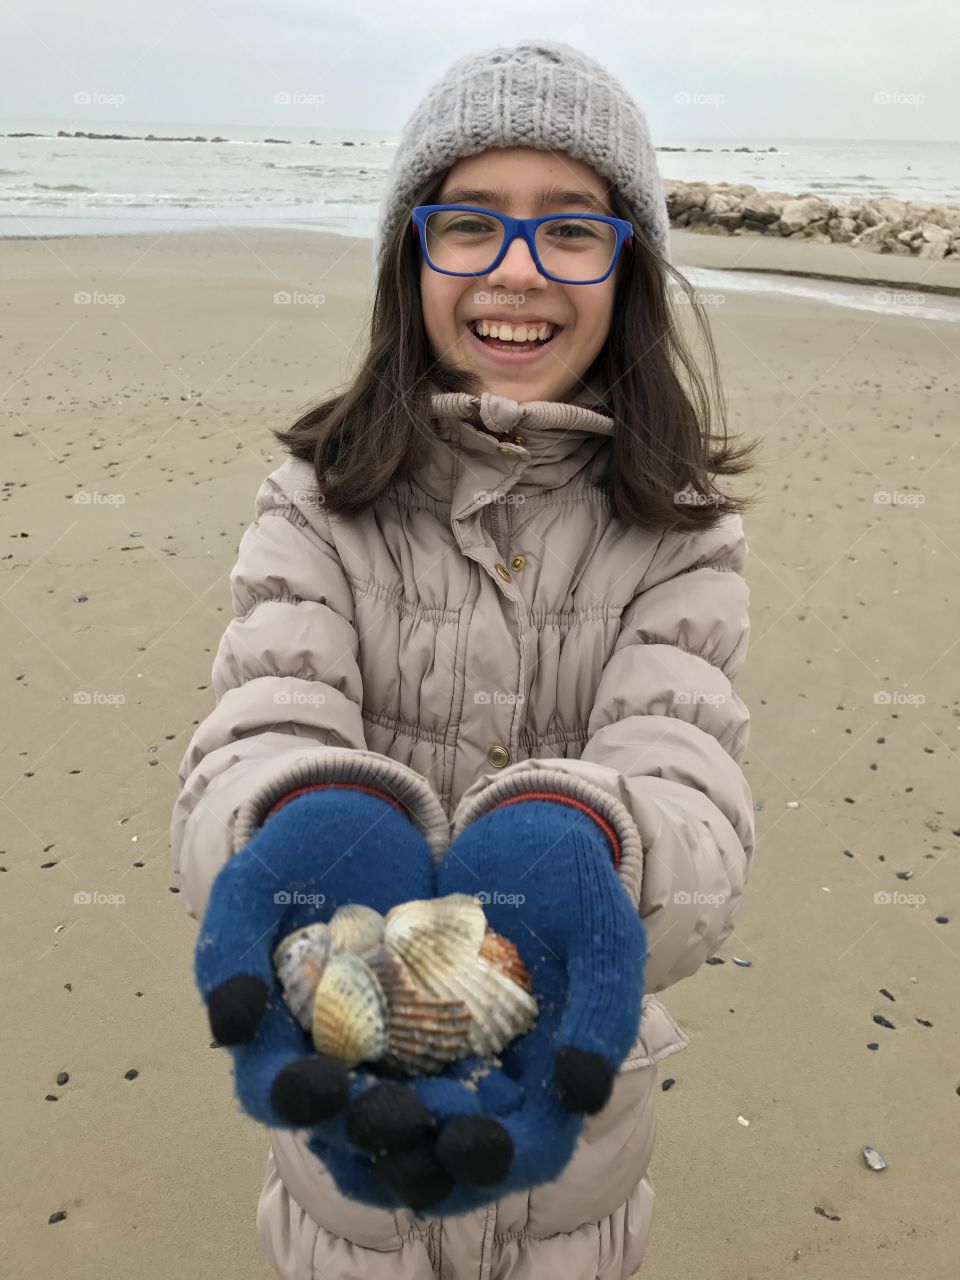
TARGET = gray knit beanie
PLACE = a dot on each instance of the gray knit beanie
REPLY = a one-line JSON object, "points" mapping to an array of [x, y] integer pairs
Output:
{"points": [[539, 93]]}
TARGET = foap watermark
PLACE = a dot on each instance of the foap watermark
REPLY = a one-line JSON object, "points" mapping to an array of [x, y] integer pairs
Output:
{"points": [[97, 98], [684, 899], [693, 696], [298, 298], [898, 98], [297, 898], [94, 898], [697, 98], [498, 298], [94, 498], [490, 496], [95, 298], [688, 496], [497, 899], [898, 498], [682, 298], [301, 498], [98, 698], [899, 298], [298, 698], [897, 698], [893, 898], [497, 697], [297, 98]]}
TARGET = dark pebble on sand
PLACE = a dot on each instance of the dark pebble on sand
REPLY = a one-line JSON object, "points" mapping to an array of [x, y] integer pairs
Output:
{"points": [[885, 992], [668, 1084], [68, 986], [63, 1077], [50, 1097], [904, 875], [873, 1045], [924, 1023], [173, 888], [715, 960], [45, 865], [57, 1217], [823, 1213], [881, 1021], [942, 919], [131, 1074], [849, 800], [848, 853], [881, 740]]}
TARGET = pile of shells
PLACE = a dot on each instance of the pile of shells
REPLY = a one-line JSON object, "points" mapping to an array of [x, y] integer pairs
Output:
{"points": [[412, 991]]}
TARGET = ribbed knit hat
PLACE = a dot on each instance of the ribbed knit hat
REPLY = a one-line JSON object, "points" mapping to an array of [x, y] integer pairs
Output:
{"points": [[539, 93]]}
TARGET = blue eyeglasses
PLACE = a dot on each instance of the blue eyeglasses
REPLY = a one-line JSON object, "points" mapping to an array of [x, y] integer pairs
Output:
{"points": [[462, 240]]}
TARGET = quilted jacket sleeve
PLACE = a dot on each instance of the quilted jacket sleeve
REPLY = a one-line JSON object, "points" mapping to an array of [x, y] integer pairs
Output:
{"points": [[667, 736], [288, 692]]}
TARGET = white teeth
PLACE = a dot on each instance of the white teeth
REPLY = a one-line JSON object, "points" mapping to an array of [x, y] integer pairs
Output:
{"points": [[508, 333]]}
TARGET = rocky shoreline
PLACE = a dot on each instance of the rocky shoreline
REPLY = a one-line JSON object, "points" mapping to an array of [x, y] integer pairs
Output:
{"points": [[881, 224]]}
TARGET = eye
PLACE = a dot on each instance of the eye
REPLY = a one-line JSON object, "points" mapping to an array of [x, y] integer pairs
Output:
{"points": [[572, 229]]}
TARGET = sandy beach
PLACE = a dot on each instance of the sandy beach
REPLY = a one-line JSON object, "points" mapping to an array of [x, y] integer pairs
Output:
{"points": [[142, 376]]}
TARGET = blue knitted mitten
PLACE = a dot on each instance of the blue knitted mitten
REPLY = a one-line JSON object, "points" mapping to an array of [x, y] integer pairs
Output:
{"points": [[318, 848]]}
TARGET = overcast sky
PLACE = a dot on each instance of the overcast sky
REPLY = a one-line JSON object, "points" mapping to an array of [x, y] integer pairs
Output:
{"points": [[698, 68]]}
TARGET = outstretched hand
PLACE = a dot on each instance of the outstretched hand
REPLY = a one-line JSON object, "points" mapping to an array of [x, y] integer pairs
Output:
{"points": [[451, 1142]]}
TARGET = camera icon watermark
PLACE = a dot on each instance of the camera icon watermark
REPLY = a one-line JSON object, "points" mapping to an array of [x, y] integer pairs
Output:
{"points": [[893, 898], [297, 898], [94, 898], [497, 899]]}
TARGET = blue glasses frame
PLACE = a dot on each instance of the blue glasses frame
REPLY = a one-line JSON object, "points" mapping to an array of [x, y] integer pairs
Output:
{"points": [[526, 229]]}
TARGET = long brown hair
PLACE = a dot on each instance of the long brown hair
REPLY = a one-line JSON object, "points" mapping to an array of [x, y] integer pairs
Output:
{"points": [[364, 438]]}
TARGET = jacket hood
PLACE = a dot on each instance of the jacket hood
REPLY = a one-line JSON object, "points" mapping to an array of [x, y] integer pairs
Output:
{"points": [[497, 440]]}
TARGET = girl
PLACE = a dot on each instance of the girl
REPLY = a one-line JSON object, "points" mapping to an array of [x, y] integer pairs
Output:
{"points": [[487, 619]]}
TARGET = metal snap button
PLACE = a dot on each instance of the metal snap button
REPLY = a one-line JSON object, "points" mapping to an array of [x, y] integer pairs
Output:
{"points": [[498, 755], [518, 562], [504, 573]]}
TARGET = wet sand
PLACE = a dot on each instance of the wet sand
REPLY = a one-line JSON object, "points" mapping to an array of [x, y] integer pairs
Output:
{"points": [[157, 408]]}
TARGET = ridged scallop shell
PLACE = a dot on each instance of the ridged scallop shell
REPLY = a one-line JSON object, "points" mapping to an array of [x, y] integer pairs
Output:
{"points": [[299, 960], [354, 927], [440, 941], [349, 1011]]}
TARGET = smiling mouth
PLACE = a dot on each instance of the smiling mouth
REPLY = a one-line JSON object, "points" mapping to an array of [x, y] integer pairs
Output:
{"points": [[514, 339]]}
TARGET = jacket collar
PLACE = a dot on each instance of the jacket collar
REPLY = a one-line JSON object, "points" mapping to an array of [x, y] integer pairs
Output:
{"points": [[489, 441]]}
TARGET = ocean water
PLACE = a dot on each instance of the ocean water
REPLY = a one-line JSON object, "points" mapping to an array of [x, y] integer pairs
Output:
{"points": [[333, 181]]}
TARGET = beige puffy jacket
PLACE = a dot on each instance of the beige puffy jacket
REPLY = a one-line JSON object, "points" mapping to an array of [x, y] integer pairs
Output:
{"points": [[486, 626]]}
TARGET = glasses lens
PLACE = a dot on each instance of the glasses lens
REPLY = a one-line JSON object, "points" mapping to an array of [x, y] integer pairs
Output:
{"points": [[576, 248], [458, 240]]}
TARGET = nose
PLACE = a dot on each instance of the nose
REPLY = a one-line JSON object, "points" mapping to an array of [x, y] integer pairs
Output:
{"points": [[517, 267]]}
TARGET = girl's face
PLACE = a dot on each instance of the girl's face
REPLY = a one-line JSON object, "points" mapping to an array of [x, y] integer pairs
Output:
{"points": [[526, 183]]}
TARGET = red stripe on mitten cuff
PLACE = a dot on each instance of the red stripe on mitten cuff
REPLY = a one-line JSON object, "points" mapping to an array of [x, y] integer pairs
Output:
{"points": [[574, 803], [319, 786]]}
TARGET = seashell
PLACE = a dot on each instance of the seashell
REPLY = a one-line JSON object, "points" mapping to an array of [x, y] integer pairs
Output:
{"points": [[426, 985], [349, 1011], [354, 927], [299, 960], [440, 940], [874, 1159]]}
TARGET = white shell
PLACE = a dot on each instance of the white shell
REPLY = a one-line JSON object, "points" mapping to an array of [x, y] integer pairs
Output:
{"points": [[299, 960]]}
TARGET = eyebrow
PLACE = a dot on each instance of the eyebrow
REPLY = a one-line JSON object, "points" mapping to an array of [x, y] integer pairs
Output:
{"points": [[564, 197]]}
